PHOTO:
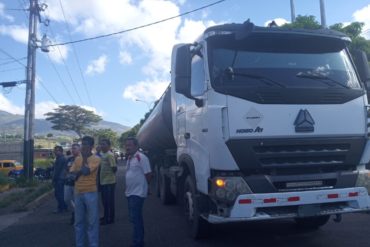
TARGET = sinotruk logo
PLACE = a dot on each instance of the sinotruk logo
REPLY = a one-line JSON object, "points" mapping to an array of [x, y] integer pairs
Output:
{"points": [[304, 122]]}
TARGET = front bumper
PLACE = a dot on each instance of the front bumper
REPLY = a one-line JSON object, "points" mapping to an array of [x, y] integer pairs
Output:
{"points": [[252, 207]]}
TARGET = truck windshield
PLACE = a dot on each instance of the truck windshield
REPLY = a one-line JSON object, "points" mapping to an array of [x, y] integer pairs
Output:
{"points": [[280, 62]]}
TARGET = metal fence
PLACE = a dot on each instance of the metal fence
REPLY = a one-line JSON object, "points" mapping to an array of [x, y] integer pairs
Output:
{"points": [[11, 151]]}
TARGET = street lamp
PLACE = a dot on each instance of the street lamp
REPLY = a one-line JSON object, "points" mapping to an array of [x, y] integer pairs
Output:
{"points": [[146, 102]]}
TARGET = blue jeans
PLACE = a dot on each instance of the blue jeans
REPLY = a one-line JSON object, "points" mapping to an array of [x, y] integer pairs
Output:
{"points": [[135, 210], [87, 219], [68, 195], [59, 194], [107, 196]]}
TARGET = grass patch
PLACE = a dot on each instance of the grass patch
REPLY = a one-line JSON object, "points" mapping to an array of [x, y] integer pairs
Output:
{"points": [[43, 163], [14, 198], [18, 200]]}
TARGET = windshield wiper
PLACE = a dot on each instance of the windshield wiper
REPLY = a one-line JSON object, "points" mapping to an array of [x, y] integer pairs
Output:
{"points": [[229, 71], [320, 77]]}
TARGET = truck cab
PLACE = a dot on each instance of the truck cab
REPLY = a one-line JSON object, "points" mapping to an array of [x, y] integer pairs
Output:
{"points": [[268, 123]]}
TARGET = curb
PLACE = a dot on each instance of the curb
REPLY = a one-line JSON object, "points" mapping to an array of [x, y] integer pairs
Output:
{"points": [[10, 219], [38, 201]]}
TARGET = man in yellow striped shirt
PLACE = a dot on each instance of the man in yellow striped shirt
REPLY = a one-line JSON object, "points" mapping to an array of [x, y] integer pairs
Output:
{"points": [[86, 195]]}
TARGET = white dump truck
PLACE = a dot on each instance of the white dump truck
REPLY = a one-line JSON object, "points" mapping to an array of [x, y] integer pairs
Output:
{"points": [[262, 123]]}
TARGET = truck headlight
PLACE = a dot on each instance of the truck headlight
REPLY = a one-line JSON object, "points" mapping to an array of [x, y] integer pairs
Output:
{"points": [[229, 188]]}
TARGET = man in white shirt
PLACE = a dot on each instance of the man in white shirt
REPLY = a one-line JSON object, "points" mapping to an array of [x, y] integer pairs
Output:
{"points": [[138, 174]]}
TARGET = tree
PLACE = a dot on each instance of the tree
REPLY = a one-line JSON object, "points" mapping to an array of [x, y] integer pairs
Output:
{"points": [[72, 118], [130, 133], [99, 134], [305, 21], [353, 31]]}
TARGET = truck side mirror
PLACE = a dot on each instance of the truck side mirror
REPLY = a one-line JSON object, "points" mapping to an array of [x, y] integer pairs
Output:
{"points": [[363, 68], [183, 70]]}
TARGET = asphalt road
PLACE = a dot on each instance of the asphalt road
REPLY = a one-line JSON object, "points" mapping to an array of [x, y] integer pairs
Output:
{"points": [[165, 226]]}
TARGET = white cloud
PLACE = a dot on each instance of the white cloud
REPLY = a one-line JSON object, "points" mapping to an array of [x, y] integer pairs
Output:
{"points": [[40, 108], [18, 33], [93, 109], [125, 57], [191, 30], [181, 2], [154, 43], [97, 66], [147, 91], [43, 107], [363, 15], [3, 15], [8, 106], [278, 21], [58, 53]]}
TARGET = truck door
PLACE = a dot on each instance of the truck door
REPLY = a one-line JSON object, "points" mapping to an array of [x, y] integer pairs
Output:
{"points": [[197, 123], [180, 121]]}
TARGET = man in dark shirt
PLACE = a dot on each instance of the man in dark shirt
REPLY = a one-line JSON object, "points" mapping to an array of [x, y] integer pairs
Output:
{"points": [[58, 179]]}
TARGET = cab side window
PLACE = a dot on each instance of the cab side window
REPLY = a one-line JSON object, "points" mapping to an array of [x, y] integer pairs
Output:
{"points": [[198, 85]]}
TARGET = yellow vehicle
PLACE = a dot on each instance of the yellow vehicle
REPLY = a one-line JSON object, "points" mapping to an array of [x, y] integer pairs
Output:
{"points": [[9, 165]]}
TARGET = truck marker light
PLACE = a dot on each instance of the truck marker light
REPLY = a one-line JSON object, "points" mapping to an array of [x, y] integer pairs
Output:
{"points": [[269, 200], [220, 183], [353, 194], [333, 196], [245, 201], [293, 199]]}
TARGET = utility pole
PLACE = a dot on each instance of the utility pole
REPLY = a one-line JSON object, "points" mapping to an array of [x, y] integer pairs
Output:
{"points": [[292, 11], [322, 12], [29, 113]]}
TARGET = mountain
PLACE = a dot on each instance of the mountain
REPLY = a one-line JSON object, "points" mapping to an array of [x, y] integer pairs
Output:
{"points": [[13, 124]]}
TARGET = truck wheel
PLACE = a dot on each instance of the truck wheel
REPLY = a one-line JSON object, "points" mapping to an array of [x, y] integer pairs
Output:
{"points": [[164, 189], [312, 223], [199, 227]]}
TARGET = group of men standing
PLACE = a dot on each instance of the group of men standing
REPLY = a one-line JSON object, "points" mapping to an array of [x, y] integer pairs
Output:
{"points": [[85, 173]]}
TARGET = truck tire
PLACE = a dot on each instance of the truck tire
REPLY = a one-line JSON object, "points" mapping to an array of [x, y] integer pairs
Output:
{"points": [[164, 189], [312, 223], [198, 227]]}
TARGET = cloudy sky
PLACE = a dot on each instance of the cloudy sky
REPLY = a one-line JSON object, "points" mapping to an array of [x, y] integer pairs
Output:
{"points": [[120, 76]]}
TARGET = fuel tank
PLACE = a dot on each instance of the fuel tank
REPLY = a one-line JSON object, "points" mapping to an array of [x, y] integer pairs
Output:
{"points": [[156, 133]]}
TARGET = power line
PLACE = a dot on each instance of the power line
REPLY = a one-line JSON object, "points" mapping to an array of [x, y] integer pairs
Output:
{"points": [[13, 61], [17, 9], [67, 69], [60, 78], [13, 58], [12, 69], [48, 92], [138, 27], [24, 12], [75, 54]]}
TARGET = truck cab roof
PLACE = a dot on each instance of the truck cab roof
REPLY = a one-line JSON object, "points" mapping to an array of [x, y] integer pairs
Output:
{"points": [[249, 29]]}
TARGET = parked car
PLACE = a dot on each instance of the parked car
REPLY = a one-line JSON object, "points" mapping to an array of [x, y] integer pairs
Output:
{"points": [[43, 173], [8, 166], [15, 173]]}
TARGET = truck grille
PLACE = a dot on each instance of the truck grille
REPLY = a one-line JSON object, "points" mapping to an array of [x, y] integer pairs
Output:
{"points": [[297, 156], [302, 155]]}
